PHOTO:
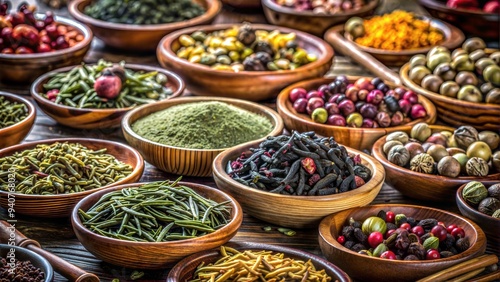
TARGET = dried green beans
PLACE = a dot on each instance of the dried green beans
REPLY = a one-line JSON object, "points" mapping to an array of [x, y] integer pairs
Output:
{"points": [[11, 112]]}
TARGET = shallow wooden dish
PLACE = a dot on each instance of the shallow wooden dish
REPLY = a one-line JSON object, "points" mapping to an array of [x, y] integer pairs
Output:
{"points": [[294, 211], [357, 138], [23, 254], [61, 205], [184, 161], [308, 21], [14, 134], [94, 118], [184, 270], [421, 186], [138, 37], [366, 268], [153, 255], [242, 4], [246, 85]]}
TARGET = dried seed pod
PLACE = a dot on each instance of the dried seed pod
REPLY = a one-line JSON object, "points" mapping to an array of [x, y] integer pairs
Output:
{"points": [[349, 244], [446, 254], [462, 244], [411, 257], [422, 163], [474, 192], [358, 247], [358, 233], [399, 155], [427, 224], [246, 34], [489, 205], [477, 167], [448, 242], [465, 135], [417, 250], [494, 191], [402, 241], [348, 233]]}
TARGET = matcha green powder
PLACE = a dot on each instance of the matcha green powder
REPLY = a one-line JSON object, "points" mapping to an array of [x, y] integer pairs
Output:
{"points": [[203, 125]]}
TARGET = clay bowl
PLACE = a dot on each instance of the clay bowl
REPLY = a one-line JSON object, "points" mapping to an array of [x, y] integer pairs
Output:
{"points": [[14, 134], [153, 255], [16, 68], [242, 4], [184, 161], [489, 224], [88, 118], [308, 21], [357, 138], [138, 37], [366, 268], [421, 186], [61, 205], [23, 254], [246, 85], [184, 270], [294, 211]]}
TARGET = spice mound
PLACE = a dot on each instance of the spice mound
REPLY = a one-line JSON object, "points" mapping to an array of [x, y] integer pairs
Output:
{"points": [[155, 212], [21, 271], [203, 125], [11, 112], [61, 168]]}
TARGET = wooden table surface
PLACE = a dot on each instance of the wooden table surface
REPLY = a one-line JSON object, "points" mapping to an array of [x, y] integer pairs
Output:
{"points": [[57, 236]]}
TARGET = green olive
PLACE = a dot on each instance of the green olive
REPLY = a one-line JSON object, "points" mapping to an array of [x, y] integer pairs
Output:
{"points": [[354, 120], [493, 97], [432, 82], [495, 57], [470, 93], [462, 159], [449, 89], [489, 137], [466, 78], [486, 87], [438, 58], [224, 59], [417, 60], [437, 152], [319, 115], [482, 63], [479, 149], [462, 63], [472, 44], [495, 161], [436, 50], [418, 73], [477, 54], [372, 224], [492, 74], [445, 71], [355, 27], [457, 52]]}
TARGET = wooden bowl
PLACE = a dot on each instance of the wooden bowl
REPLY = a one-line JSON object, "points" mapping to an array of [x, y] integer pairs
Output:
{"points": [[184, 161], [23, 254], [153, 255], [357, 138], [489, 224], [294, 211], [422, 186], [366, 268], [246, 85], [184, 270], [308, 21], [17, 68], [61, 205], [14, 134], [242, 4], [138, 37], [88, 118]]}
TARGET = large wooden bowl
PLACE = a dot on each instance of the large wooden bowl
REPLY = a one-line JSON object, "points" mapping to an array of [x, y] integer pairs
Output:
{"points": [[242, 4], [23, 254], [138, 37], [88, 118], [367, 268], [184, 161], [153, 255], [357, 138], [184, 270], [422, 186], [294, 211], [14, 134], [246, 85], [61, 205]]}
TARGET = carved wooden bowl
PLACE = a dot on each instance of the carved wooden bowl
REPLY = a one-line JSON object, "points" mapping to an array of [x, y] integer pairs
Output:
{"points": [[14, 134], [243, 4]]}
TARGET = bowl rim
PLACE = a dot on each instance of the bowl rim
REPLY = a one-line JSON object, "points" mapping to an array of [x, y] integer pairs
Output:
{"points": [[30, 118], [48, 271], [272, 5], [466, 206], [164, 50], [440, 7], [275, 118]]}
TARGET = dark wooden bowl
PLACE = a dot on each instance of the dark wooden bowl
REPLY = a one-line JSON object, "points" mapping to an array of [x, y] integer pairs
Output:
{"points": [[61, 205], [153, 255], [246, 85], [308, 21], [366, 268], [138, 37], [184, 270], [23, 254], [88, 118], [14, 134], [357, 138], [242, 4]]}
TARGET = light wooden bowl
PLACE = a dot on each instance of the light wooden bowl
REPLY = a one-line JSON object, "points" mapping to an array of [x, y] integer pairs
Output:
{"points": [[14, 134], [294, 211], [308, 21], [184, 161], [153, 255], [61, 205], [246, 85], [357, 138], [422, 186], [242, 4], [23, 254], [184, 270], [366, 268], [88, 118], [138, 37]]}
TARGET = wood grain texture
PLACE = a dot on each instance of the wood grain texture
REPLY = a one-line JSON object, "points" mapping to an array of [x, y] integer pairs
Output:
{"points": [[242, 4], [366, 268], [14, 134]]}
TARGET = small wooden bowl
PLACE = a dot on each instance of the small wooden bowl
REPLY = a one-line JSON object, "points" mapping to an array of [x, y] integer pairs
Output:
{"points": [[308, 21], [93, 118], [61, 205], [294, 211], [366, 268], [184, 270], [153, 255], [246, 85], [489, 224], [184, 161], [242, 4], [14, 134], [357, 138], [422, 186], [138, 37], [23, 254]]}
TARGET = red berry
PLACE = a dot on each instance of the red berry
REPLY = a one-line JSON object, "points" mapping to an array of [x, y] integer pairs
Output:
{"points": [[389, 232], [432, 254], [439, 231], [406, 226], [375, 238], [441, 223], [388, 255], [451, 227], [418, 230], [341, 240], [458, 232], [390, 216]]}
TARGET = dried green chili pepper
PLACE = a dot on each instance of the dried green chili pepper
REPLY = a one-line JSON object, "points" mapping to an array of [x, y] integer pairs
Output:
{"points": [[11, 112]]}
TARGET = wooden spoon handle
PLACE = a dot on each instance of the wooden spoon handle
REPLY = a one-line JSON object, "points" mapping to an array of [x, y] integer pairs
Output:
{"points": [[467, 276], [10, 235]]}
